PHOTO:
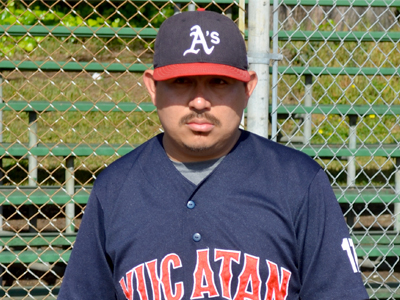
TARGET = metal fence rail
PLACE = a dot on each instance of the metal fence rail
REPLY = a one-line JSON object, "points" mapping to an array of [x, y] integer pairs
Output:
{"points": [[72, 100]]}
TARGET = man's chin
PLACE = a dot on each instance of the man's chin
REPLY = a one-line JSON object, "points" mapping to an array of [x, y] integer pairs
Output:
{"points": [[198, 143], [197, 148]]}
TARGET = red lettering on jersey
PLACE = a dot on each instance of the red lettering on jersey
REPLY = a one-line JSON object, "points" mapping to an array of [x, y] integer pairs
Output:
{"points": [[140, 282], [277, 287], [127, 288], [203, 277], [225, 272], [154, 279], [174, 260], [249, 280]]}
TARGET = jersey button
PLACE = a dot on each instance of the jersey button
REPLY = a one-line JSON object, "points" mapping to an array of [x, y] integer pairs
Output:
{"points": [[196, 237], [190, 204]]}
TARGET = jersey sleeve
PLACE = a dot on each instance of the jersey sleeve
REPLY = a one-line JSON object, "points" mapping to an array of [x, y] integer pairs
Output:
{"points": [[328, 262], [89, 271]]}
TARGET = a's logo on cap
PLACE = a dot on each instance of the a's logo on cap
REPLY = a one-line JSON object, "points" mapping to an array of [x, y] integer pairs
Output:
{"points": [[198, 38]]}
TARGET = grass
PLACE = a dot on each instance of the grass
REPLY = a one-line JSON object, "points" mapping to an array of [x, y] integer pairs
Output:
{"points": [[344, 89]]}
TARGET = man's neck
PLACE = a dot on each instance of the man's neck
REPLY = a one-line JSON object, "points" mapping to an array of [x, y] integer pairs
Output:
{"points": [[196, 172]]}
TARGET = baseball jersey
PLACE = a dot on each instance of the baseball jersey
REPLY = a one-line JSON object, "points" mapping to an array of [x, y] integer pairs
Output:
{"points": [[264, 224]]}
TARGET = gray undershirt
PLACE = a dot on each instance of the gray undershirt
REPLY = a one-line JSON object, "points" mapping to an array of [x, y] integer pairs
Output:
{"points": [[197, 171]]}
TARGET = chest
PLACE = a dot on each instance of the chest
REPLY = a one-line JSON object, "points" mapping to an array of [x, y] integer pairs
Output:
{"points": [[199, 244]]}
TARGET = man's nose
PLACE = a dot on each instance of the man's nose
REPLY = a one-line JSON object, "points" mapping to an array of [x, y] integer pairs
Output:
{"points": [[200, 101]]}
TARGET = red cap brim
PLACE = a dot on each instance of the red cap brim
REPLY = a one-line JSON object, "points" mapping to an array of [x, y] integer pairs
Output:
{"points": [[194, 69]]}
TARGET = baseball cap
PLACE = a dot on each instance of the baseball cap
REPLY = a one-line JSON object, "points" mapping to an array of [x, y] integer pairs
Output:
{"points": [[200, 43]]}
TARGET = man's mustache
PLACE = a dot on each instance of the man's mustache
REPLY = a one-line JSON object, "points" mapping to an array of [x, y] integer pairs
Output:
{"points": [[209, 117]]}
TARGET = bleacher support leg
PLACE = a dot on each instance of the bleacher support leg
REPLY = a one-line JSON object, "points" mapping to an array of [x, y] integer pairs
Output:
{"points": [[351, 161], [177, 8], [228, 13], [32, 168], [70, 188], [307, 103], [397, 190], [32, 143]]}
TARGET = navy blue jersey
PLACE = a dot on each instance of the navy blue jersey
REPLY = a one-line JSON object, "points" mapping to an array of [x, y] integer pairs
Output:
{"points": [[264, 224]]}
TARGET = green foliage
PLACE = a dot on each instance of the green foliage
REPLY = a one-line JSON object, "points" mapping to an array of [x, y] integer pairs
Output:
{"points": [[16, 13], [28, 44], [329, 25], [6, 49]]}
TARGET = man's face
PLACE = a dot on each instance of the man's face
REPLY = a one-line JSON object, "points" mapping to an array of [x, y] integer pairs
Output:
{"points": [[200, 114]]}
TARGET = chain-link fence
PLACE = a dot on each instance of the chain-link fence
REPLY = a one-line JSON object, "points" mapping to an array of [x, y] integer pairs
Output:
{"points": [[337, 99], [72, 101]]}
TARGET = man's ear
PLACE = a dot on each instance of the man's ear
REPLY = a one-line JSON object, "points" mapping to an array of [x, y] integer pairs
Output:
{"points": [[150, 84], [251, 85]]}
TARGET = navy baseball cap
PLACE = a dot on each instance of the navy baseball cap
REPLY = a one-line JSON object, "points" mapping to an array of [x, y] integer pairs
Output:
{"points": [[200, 43]]}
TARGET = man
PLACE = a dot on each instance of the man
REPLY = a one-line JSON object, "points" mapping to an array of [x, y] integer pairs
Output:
{"points": [[207, 210]]}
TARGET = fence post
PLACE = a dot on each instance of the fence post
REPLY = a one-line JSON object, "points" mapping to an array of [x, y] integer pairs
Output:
{"points": [[242, 28], [258, 50], [275, 48], [242, 16]]}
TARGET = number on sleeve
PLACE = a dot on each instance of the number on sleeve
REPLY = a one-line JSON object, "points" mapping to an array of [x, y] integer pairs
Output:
{"points": [[348, 246]]}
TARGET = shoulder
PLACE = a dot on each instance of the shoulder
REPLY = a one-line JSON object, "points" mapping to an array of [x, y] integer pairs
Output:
{"points": [[285, 174], [114, 175], [277, 156]]}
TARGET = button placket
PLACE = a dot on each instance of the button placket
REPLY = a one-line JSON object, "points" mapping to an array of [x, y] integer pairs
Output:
{"points": [[191, 205]]}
